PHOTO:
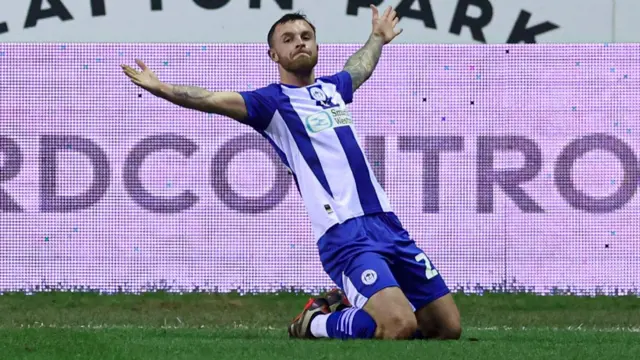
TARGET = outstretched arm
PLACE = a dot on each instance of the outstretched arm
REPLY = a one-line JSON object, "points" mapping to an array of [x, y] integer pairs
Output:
{"points": [[361, 64], [225, 103]]}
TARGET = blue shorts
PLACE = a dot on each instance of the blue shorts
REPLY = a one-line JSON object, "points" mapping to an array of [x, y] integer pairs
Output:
{"points": [[366, 254]]}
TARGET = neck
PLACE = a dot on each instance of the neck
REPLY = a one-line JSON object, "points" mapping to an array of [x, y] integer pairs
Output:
{"points": [[297, 79]]}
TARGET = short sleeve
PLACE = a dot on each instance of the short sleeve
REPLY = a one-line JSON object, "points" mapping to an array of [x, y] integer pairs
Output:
{"points": [[343, 83], [261, 105]]}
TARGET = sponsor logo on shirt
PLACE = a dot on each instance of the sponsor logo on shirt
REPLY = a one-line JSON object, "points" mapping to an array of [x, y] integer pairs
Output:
{"points": [[327, 119]]}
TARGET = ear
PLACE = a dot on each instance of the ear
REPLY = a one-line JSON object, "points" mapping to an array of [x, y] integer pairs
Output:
{"points": [[273, 55]]}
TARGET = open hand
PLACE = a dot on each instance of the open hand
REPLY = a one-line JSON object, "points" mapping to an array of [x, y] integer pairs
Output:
{"points": [[146, 79], [384, 26]]}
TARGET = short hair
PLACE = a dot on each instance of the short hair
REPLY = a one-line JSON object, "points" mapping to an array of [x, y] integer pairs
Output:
{"points": [[285, 19]]}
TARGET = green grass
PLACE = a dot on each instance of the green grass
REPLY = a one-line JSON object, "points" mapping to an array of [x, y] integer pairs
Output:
{"points": [[228, 326]]}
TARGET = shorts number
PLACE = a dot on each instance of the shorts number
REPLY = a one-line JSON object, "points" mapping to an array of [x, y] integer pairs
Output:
{"points": [[430, 272]]}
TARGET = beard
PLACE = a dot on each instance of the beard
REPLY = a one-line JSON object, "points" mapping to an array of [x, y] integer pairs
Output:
{"points": [[301, 64]]}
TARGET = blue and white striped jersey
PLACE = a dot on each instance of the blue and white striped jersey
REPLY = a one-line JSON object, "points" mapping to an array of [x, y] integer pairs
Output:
{"points": [[312, 131]]}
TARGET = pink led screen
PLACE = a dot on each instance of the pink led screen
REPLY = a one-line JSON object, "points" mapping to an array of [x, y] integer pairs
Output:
{"points": [[514, 166]]}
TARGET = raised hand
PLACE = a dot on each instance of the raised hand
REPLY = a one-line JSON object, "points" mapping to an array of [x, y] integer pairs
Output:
{"points": [[146, 79], [384, 26]]}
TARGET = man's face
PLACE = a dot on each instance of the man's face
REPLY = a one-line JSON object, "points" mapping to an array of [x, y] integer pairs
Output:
{"points": [[295, 47]]}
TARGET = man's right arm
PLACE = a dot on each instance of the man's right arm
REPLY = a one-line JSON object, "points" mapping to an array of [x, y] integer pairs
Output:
{"points": [[227, 103]]}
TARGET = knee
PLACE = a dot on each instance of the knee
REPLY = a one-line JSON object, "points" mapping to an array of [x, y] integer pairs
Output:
{"points": [[450, 332], [398, 327]]}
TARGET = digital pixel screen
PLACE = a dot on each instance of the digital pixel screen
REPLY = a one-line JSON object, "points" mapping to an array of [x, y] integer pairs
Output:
{"points": [[515, 167]]}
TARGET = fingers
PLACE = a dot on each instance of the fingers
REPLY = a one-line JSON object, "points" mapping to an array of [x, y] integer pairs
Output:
{"points": [[375, 11], [392, 14], [395, 21], [389, 14], [131, 74], [141, 64], [129, 71], [386, 13]]}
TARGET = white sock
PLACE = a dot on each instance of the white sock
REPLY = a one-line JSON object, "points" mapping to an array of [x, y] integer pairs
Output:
{"points": [[319, 326]]}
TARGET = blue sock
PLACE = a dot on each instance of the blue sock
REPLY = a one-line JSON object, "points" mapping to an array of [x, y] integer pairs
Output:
{"points": [[350, 323]]}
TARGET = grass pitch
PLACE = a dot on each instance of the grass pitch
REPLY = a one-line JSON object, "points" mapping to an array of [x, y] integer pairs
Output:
{"points": [[158, 326]]}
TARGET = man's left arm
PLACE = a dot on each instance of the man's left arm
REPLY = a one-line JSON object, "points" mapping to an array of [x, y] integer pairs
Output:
{"points": [[361, 64]]}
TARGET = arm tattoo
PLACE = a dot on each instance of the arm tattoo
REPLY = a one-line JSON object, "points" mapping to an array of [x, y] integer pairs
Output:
{"points": [[361, 64], [190, 92], [190, 96]]}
